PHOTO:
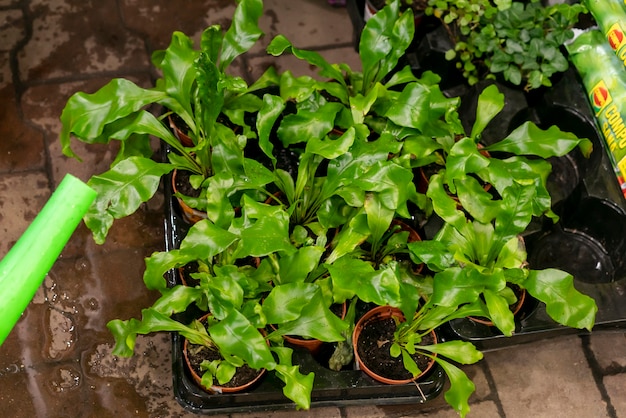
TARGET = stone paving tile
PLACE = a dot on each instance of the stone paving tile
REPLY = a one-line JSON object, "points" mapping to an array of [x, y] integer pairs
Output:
{"points": [[477, 375], [5, 71], [376, 411], [10, 3], [10, 403], [327, 412], [616, 388], [487, 409], [12, 29], [155, 20], [57, 361], [21, 198], [18, 373], [546, 379], [305, 23], [74, 37], [43, 104], [147, 374], [142, 230], [96, 385], [22, 146], [257, 65], [609, 349], [113, 286]]}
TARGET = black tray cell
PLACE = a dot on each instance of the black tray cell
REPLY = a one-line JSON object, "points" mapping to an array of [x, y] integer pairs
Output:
{"points": [[331, 388], [569, 170], [590, 245], [428, 53], [574, 252]]}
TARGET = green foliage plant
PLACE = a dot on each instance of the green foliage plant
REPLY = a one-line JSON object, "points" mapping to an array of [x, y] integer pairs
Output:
{"points": [[359, 135], [237, 337], [519, 160], [351, 122], [448, 354], [522, 41], [195, 86], [481, 241], [242, 296]]}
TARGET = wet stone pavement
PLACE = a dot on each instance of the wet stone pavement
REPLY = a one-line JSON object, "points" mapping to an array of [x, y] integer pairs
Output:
{"points": [[57, 361]]}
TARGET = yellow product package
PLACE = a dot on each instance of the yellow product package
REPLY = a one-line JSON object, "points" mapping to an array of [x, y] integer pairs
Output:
{"points": [[604, 78], [611, 18]]}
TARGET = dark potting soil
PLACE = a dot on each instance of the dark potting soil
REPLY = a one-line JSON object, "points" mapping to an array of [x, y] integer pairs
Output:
{"points": [[197, 354], [186, 271], [373, 348], [183, 186]]}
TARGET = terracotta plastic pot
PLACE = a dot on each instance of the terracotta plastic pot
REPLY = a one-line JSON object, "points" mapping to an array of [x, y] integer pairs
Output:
{"points": [[216, 388], [189, 214], [377, 314], [515, 308], [311, 344], [413, 237], [179, 134]]}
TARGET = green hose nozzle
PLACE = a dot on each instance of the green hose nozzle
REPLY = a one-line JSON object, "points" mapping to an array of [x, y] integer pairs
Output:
{"points": [[27, 263]]}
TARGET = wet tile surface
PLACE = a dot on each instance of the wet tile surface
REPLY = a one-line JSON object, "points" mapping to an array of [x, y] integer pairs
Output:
{"points": [[550, 378], [154, 21], [616, 390], [21, 197], [610, 350], [75, 37], [57, 362], [23, 145]]}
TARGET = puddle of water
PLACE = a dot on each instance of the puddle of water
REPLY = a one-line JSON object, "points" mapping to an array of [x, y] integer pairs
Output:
{"points": [[60, 333], [67, 378], [32, 378], [57, 361], [148, 372]]}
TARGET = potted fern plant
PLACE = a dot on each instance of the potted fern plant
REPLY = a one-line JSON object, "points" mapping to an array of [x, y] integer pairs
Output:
{"points": [[278, 246], [196, 87]]}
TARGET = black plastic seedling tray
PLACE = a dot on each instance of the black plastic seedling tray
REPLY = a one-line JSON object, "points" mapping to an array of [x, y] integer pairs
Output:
{"points": [[589, 241], [331, 388]]}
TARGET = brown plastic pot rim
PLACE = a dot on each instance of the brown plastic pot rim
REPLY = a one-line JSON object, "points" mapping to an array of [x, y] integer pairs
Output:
{"points": [[414, 236], [378, 313], [216, 388], [515, 311], [190, 214], [184, 139], [311, 344]]}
